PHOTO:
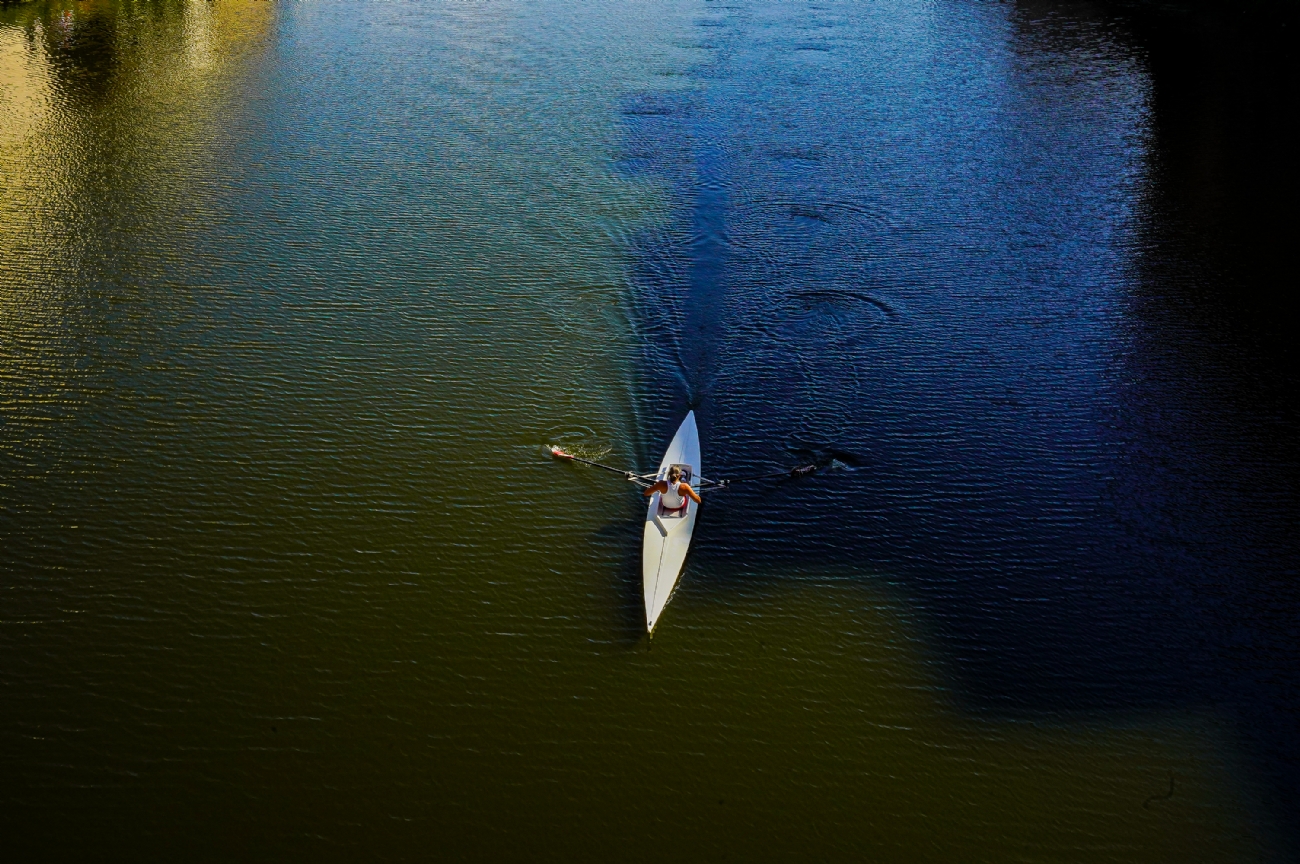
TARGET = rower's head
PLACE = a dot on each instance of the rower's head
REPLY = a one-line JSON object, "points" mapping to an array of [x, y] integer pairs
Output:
{"points": [[674, 474]]}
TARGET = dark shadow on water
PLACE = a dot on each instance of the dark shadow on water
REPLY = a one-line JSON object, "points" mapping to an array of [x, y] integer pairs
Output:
{"points": [[1081, 469], [1214, 408]]}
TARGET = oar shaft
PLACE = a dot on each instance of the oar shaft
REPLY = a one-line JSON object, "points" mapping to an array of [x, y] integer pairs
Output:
{"points": [[800, 471], [594, 464]]}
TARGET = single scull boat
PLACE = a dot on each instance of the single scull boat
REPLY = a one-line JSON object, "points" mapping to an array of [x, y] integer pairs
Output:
{"points": [[667, 533], [666, 536]]}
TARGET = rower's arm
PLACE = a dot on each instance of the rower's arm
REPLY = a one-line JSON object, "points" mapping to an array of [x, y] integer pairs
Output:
{"points": [[661, 486], [690, 493]]}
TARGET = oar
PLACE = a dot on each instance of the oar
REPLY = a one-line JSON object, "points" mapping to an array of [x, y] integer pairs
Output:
{"points": [[799, 471], [635, 478], [641, 479]]}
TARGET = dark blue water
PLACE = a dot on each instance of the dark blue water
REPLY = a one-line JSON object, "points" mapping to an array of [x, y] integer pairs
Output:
{"points": [[977, 283]]}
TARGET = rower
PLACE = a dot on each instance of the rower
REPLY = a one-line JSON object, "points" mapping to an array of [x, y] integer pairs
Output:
{"points": [[673, 492]]}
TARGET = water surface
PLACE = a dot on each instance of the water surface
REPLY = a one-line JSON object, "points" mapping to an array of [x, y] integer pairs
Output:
{"points": [[294, 295]]}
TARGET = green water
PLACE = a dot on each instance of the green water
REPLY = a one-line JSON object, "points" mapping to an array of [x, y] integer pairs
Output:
{"points": [[294, 295]]}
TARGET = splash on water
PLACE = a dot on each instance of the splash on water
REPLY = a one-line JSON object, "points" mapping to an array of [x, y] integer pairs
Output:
{"points": [[581, 449]]}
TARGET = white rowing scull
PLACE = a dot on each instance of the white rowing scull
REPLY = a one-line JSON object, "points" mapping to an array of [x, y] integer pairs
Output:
{"points": [[667, 533]]}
